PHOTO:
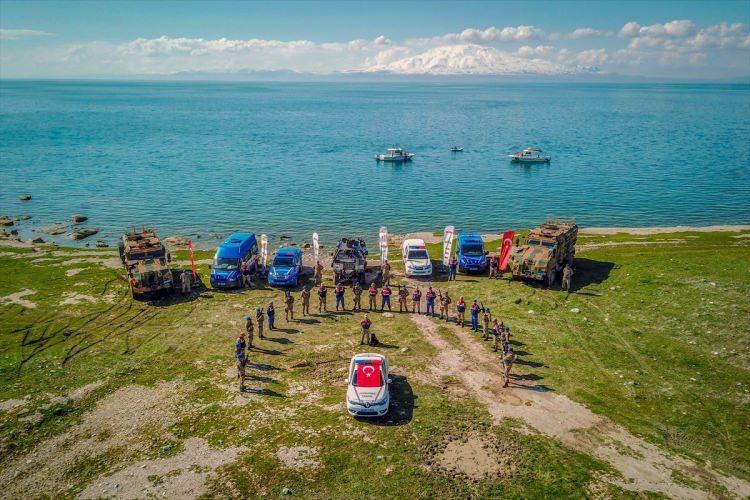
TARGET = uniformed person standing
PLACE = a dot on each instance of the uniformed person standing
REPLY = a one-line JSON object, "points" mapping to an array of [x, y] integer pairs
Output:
{"points": [[416, 300], [567, 277], [475, 315], [289, 306], [186, 281], [386, 273], [493, 266], [452, 267], [403, 293], [372, 292], [364, 326], [486, 318], [271, 314], [322, 296], [385, 297], [259, 318], [357, 292], [430, 297], [318, 273], [445, 302], [305, 295], [338, 292], [497, 331], [508, 358], [250, 330], [461, 311], [241, 359]]}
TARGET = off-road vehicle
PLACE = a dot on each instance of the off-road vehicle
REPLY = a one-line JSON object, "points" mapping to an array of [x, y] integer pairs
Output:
{"points": [[349, 260], [548, 248], [146, 261]]}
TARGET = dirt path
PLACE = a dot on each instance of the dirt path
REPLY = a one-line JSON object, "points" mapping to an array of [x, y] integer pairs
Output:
{"points": [[643, 466]]}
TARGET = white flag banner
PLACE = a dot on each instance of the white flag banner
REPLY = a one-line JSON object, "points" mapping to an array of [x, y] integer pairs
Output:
{"points": [[316, 248], [447, 244], [383, 245], [264, 249]]}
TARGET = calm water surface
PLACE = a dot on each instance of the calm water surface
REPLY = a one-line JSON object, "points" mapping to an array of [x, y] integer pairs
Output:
{"points": [[290, 158]]}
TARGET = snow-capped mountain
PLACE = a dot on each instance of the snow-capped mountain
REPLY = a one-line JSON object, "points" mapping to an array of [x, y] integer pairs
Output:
{"points": [[471, 59]]}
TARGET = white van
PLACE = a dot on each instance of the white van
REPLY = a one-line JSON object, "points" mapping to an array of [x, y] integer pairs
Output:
{"points": [[416, 259]]}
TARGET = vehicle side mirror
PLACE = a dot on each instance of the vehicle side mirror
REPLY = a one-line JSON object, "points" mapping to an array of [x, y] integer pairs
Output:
{"points": [[390, 380]]}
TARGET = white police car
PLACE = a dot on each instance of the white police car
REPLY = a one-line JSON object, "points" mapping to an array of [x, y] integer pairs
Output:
{"points": [[367, 394], [416, 259]]}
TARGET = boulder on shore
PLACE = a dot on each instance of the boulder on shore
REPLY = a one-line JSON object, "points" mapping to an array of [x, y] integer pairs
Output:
{"points": [[55, 229], [101, 244], [83, 233], [24, 197], [78, 218], [6, 221], [36, 241]]}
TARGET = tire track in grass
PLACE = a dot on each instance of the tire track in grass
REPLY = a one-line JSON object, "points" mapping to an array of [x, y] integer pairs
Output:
{"points": [[643, 466]]}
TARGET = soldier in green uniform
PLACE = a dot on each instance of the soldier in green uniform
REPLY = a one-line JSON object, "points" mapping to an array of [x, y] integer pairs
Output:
{"points": [[259, 317], [386, 273], [250, 330], [318, 273], [357, 292], [486, 318], [508, 358], [445, 302], [403, 293], [289, 306], [305, 295], [567, 277]]}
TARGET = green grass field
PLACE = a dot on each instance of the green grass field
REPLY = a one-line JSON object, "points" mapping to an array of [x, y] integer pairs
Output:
{"points": [[660, 347]]}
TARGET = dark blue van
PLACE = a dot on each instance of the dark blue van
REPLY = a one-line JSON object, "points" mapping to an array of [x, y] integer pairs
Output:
{"points": [[229, 257], [470, 253]]}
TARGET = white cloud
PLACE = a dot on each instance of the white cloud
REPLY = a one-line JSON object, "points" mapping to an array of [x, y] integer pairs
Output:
{"points": [[9, 34], [592, 57], [581, 33], [521, 33]]}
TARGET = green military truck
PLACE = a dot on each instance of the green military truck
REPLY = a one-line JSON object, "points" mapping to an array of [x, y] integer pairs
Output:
{"points": [[146, 261], [548, 248]]}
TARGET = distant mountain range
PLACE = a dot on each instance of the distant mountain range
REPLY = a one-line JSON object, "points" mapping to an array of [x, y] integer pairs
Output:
{"points": [[471, 59]]}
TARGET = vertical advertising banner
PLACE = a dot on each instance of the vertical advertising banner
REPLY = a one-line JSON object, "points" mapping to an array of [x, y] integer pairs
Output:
{"points": [[192, 259], [505, 249], [316, 248], [447, 244], [264, 250], [383, 244]]}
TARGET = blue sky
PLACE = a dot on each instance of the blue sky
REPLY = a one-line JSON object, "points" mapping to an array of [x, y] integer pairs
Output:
{"points": [[706, 39]]}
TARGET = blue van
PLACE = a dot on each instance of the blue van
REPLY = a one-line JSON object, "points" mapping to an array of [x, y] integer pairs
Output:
{"points": [[286, 267], [229, 257], [470, 253]]}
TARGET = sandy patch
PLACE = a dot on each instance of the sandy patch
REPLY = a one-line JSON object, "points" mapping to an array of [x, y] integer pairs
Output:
{"points": [[181, 476], [662, 229], [122, 421], [473, 457], [18, 298], [744, 235], [298, 457], [73, 298], [610, 244], [643, 466], [111, 263], [73, 272]]}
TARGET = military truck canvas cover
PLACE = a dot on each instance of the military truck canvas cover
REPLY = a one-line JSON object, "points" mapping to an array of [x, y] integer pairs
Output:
{"points": [[548, 248]]}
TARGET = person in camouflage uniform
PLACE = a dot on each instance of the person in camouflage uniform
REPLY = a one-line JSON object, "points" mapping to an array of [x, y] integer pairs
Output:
{"points": [[241, 359], [508, 358], [250, 330], [357, 292], [259, 318], [386, 273], [445, 302], [318, 273], [486, 319], [289, 306], [403, 293], [305, 296], [567, 277]]}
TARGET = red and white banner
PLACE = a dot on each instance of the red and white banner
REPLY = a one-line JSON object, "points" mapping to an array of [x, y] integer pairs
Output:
{"points": [[447, 244], [264, 249], [368, 374], [505, 249], [316, 248], [383, 244]]}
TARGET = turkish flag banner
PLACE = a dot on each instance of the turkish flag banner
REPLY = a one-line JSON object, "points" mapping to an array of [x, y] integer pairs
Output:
{"points": [[505, 249], [368, 373]]}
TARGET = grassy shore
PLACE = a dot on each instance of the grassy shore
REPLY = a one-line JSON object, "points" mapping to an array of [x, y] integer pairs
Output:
{"points": [[97, 389]]}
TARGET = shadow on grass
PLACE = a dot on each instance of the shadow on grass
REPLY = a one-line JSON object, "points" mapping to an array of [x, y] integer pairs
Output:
{"points": [[270, 352], [307, 321], [279, 340], [589, 272], [402, 404], [263, 392], [263, 367], [285, 330]]}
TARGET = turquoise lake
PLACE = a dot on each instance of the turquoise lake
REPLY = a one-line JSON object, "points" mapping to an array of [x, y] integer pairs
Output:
{"points": [[204, 159]]}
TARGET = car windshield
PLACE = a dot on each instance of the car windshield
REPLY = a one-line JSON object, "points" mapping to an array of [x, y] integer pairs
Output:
{"points": [[367, 375], [547, 244], [283, 261], [472, 250], [224, 263], [418, 255]]}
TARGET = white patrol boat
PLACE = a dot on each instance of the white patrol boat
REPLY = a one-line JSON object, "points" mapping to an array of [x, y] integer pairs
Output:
{"points": [[395, 155], [529, 155]]}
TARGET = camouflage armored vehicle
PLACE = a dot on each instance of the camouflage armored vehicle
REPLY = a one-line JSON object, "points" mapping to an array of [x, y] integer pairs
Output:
{"points": [[146, 261], [349, 260], [547, 250]]}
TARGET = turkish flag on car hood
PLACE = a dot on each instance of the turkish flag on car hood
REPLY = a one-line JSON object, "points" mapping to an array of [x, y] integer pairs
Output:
{"points": [[368, 373], [505, 249]]}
